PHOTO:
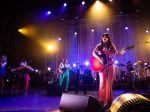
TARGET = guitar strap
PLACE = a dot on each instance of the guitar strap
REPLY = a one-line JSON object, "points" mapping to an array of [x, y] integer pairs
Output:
{"points": [[108, 64]]}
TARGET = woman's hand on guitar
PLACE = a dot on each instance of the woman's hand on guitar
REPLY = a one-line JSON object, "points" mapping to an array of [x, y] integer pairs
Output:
{"points": [[101, 61], [122, 51]]}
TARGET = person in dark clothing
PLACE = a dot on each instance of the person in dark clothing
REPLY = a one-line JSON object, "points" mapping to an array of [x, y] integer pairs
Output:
{"points": [[3, 62], [77, 78], [79, 74], [129, 66]]}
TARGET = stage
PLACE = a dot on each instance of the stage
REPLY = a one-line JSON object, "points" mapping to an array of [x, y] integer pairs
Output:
{"points": [[39, 101]]}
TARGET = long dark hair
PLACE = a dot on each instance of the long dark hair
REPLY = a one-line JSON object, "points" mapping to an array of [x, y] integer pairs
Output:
{"points": [[64, 60], [108, 43]]}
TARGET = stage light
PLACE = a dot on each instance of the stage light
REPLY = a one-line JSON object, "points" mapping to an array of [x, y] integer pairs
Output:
{"points": [[29, 31], [97, 2], [110, 0], [83, 2], [75, 33], [126, 28], [50, 47], [147, 31], [65, 4], [23, 30], [49, 68], [107, 29], [36, 70], [48, 12], [92, 30], [74, 65], [99, 10], [116, 62], [86, 63], [145, 63], [59, 39]]}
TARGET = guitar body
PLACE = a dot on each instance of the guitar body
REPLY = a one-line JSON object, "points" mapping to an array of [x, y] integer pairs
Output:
{"points": [[60, 72], [97, 66]]}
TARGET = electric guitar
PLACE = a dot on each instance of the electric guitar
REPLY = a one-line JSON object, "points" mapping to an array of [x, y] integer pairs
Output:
{"points": [[97, 66], [61, 71]]}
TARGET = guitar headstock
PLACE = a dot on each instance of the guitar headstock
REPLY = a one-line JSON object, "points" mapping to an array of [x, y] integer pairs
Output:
{"points": [[130, 47]]}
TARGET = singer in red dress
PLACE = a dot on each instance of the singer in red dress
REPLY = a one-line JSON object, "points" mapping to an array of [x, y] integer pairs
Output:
{"points": [[103, 52]]}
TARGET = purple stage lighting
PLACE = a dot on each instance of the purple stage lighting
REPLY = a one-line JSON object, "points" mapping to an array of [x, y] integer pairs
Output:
{"points": [[107, 29], [36, 70], [75, 33], [49, 68], [126, 28], [92, 30]]}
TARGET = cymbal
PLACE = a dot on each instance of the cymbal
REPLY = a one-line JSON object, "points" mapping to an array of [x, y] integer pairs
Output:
{"points": [[137, 63]]}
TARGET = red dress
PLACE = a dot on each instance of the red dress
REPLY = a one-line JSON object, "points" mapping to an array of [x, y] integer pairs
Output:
{"points": [[106, 77], [105, 84]]}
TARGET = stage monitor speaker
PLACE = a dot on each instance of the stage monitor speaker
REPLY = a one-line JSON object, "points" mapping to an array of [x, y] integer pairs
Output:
{"points": [[130, 103], [79, 103]]}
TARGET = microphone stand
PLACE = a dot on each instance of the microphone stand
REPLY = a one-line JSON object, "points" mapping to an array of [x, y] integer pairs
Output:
{"points": [[133, 82]]}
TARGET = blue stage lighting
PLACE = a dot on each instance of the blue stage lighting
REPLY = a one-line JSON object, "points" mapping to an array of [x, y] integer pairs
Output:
{"points": [[48, 12], [74, 65], [86, 63], [65, 4], [116, 62], [126, 28]]}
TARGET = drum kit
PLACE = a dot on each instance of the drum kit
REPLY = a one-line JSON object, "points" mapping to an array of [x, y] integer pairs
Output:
{"points": [[119, 72], [138, 71]]}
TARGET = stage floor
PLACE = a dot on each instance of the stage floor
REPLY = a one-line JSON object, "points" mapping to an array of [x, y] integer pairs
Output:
{"points": [[39, 101]]}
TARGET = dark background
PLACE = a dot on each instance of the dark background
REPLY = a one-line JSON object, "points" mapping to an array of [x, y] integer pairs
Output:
{"points": [[17, 13]]}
